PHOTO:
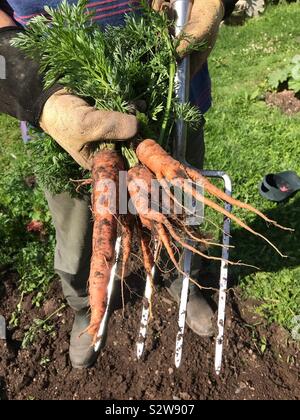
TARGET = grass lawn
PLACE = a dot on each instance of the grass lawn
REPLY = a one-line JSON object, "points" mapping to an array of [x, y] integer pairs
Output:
{"points": [[30, 254], [244, 137], [248, 139]]}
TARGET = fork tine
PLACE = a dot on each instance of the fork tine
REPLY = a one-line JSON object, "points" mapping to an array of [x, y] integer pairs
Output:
{"points": [[110, 289], [140, 345], [183, 308], [223, 281]]}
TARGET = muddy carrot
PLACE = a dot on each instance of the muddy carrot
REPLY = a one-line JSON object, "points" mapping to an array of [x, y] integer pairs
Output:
{"points": [[105, 173]]}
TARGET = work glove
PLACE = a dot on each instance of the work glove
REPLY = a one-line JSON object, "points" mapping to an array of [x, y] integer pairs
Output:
{"points": [[75, 125], [201, 28], [68, 119]]}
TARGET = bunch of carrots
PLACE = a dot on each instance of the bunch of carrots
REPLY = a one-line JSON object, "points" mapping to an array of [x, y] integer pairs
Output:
{"points": [[133, 63], [149, 223]]}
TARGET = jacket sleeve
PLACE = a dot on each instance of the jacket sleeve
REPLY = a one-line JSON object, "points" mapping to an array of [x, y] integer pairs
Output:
{"points": [[6, 7], [21, 86], [229, 7]]}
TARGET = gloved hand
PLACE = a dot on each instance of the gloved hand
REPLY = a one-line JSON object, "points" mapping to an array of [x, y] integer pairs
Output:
{"points": [[75, 125], [202, 27], [71, 121]]}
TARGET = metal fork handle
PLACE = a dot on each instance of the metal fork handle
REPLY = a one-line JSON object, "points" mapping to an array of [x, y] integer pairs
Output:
{"points": [[110, 290], [140, 345], [182, 82], [182, 10]]}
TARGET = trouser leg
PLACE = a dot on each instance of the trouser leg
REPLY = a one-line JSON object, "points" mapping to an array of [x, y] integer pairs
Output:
{"points": [[72, 219], [73, 224], [195, 147]]}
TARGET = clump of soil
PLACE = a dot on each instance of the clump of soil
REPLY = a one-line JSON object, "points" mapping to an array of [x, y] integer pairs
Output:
{"points": [[260, 361], [286, 100]]}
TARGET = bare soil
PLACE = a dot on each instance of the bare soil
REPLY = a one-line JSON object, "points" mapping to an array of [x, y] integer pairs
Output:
{"points": [[286, 100], [260, 360]]}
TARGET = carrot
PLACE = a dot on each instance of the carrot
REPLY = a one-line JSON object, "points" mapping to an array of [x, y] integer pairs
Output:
{"points": [[166, 188], [196, 238], [140, 182], [231, 216], [154, 157], [200, 179], [127, 226], [144, 191], [139, 187], [148, 260], [146, 223], [165, 239], [106, 167], [151, 219], [81, 183]]}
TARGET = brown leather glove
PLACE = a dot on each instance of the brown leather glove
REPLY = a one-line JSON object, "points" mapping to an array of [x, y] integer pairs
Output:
{"points": [[202, 27], [75, 125]]}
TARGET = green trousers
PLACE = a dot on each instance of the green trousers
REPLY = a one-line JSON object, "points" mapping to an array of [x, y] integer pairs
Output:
{"points": [[72, 219]]}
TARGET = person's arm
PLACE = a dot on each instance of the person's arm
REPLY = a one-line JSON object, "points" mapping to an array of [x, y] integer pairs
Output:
{"points": [[203, 27], [67, 118], [6, 20]]}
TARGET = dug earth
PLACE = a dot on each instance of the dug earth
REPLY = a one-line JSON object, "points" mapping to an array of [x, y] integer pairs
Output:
{"points": [[260, 360]]}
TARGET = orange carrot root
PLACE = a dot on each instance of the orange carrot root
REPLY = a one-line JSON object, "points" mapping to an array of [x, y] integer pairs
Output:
{"points": [[206, 242], [212, 189], [139, 188], [152, 155], [139, 194], [148, 259], [164, 185], [151, 221], [163, 236], [127, 226], [106, 166], [81, 183]]}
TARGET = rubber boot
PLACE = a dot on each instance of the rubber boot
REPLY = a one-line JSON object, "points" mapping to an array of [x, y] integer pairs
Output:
{"points": [[81, 350], [199, 314]]}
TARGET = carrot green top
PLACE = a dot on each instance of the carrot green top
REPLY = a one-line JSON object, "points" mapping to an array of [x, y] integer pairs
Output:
{"points": [[106, 12]]}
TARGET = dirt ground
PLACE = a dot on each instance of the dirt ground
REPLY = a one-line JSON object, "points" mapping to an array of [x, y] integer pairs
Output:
{"points": [[260, 362], [286, 101]]}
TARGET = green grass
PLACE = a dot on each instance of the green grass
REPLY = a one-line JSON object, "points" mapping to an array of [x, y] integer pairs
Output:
{"points": [[27, 253], [247, 139]]}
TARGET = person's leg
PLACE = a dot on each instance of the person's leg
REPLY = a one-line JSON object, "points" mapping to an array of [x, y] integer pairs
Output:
{"points": [[73, 225], [72, 219], [199, 313], [195, 148]]}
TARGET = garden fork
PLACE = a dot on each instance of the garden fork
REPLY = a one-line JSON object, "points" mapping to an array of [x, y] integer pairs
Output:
{"points": [[182, 10]]}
